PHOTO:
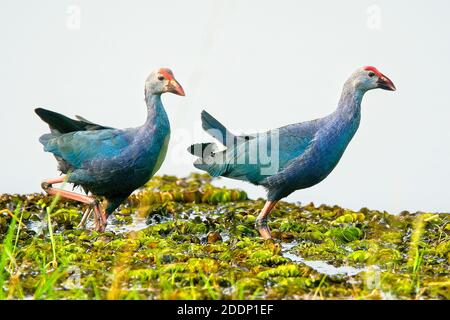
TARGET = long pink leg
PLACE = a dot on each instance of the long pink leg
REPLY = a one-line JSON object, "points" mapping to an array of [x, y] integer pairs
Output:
{"points": [[48, 183], [99, 217], [261, 220], [86, 215]]}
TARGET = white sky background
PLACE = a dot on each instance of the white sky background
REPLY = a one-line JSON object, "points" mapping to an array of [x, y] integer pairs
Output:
{"points": [[255, 65]]}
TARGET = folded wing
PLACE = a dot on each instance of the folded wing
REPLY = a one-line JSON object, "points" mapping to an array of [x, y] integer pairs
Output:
{"points": [[251, 158], [74, 142]]}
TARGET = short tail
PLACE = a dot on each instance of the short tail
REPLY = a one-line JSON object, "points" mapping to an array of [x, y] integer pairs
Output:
{"points": [[202, 150], [217, 130], [57, 121], [62, 124], [208, 158]]}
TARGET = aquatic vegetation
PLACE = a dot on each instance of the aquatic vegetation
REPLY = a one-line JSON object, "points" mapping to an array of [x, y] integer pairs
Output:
{"points": [[187, 239]]}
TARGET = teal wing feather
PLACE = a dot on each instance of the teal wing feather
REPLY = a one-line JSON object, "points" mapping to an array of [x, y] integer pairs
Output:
{"points": [[261, 156], [75, 148]]}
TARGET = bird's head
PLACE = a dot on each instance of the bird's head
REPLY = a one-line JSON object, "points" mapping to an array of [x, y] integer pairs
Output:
{"points": [[161, 81], [368, 78]]}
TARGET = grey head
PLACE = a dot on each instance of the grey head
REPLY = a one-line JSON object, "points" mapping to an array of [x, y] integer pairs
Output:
{"points": [[160, 81], [368, 78]]}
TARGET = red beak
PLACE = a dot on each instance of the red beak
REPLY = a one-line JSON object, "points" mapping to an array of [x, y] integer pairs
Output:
{"points": [[385, 83], [175, 87]]}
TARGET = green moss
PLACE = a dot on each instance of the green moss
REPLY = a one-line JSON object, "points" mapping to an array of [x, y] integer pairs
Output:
{"points": [[346, 234], [197, 241]]}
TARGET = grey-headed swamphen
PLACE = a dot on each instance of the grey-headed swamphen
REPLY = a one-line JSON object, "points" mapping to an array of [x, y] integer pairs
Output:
{"points": [[109, 162], [304, 153]]}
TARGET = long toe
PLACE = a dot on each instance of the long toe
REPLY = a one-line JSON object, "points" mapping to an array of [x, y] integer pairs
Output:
{"points": [[84, 219], [263, 228], [265, 233], [101, 227]]}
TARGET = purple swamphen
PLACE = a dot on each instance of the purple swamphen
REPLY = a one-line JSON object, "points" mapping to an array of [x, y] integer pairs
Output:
{"points": [[305, 153], [109, 162]]}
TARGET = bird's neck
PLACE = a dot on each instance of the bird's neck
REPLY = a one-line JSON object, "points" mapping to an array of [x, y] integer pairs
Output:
{"points": [[338, 129], [349, 107], [344, 122], [156, 115]]}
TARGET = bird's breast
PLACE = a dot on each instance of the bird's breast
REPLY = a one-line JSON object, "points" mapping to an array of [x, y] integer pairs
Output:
{"points": [[322, 157], [141, 161], [161, 154]]}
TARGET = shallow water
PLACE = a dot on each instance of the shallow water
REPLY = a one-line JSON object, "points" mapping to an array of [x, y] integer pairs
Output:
{"points": [[318, 265], [163, 243], [139, 223]]}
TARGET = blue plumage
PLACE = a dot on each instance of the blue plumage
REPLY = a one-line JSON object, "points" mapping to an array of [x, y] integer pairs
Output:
{"points": [[112, 162], [300, 155]]}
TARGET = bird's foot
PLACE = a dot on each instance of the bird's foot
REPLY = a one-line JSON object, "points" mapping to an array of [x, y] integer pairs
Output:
{"points": [[101, 227], [45, 185], [100, 217], [263, 228], [102, 224], [85, 217]]}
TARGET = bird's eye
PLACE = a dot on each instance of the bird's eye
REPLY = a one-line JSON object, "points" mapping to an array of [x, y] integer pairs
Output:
{"points": [[160, 78], [371, 74]]}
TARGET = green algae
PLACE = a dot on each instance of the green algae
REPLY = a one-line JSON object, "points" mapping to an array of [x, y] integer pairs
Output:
{"points": [[187, 239]]}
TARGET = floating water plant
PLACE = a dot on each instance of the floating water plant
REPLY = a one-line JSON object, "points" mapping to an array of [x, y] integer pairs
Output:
{"points": [[187, 239]]}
